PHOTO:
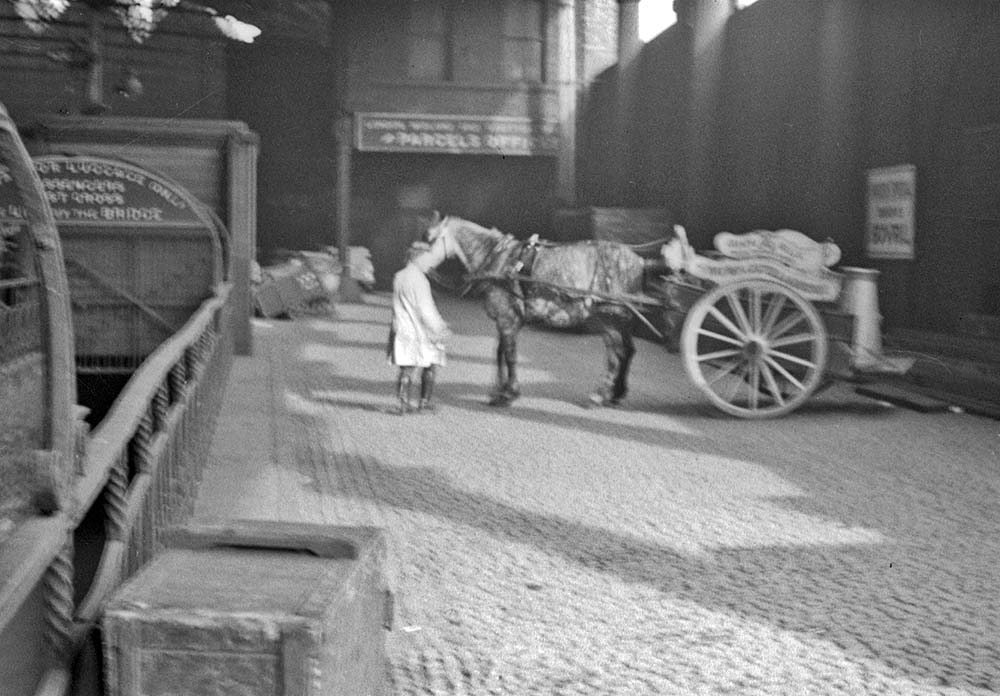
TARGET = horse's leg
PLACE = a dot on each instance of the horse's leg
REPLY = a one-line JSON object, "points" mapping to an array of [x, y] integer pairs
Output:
{"points": [[507, 388], [501, 307], [496, 396], [512, 389], [602, 395], [618, 351], [627, 344]]}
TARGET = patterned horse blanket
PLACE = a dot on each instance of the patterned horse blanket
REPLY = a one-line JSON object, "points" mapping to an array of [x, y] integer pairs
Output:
{"points": [[562, 282]]}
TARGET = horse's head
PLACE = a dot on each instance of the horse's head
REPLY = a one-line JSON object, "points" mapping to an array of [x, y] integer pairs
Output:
{"points": [[435, 226], [453, 237], [441, 239]]}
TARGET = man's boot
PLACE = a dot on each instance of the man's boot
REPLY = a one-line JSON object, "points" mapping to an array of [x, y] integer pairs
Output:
{"points": [[427, 388], [403, 386]]}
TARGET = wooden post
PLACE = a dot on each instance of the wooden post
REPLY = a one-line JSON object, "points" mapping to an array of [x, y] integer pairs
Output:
{"points": [[242, 147], [567, 78], [349, 290]]}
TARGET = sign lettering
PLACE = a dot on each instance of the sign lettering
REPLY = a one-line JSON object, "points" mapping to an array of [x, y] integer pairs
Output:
{"points": [[94, 191], [788, 246], [471, 135], [890, 228], [819, 285]]}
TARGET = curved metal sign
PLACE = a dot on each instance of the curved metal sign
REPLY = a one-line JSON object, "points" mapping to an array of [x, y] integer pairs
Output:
{"points": [[84, 190]]}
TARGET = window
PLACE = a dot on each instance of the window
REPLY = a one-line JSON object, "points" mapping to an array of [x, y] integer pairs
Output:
{"points": [[476, 40], [427, 59], [522, 40]]}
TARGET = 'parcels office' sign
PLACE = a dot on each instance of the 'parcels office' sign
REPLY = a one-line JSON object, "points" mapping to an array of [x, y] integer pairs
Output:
{"points": [[460, 135]]}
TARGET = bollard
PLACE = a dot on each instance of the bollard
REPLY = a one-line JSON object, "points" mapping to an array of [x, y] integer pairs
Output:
{"points": [[859, 298]]}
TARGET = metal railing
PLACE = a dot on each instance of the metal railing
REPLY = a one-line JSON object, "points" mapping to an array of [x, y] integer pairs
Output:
{"points": [[101, 499], [140, 467]]}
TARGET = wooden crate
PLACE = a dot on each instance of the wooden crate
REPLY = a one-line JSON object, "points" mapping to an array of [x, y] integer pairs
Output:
{"points": [[253, 608]]}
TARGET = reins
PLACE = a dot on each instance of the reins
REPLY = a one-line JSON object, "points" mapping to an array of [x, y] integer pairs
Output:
{"points": [[623, 300], [508, 281]]}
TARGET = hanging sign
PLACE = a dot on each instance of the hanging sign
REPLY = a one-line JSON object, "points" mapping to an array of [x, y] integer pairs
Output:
{"points": [[460, 135], [890, 228], [94, 191]]}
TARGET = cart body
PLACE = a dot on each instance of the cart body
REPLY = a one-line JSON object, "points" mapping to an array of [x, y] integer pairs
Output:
{"points": [[763, 323]]}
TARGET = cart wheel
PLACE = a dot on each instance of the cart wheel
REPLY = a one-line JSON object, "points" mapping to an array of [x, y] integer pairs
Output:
{"points": [[756, 348]]}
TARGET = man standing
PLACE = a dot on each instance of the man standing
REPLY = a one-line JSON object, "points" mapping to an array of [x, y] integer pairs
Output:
{"points": [[418, 332]]}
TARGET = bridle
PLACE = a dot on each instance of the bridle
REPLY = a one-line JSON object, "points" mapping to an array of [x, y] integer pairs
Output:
{"points": [[441, 234]]}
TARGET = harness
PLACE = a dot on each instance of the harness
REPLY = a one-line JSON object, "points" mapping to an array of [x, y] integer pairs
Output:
{"points": [[508, 259], [510, 262]]}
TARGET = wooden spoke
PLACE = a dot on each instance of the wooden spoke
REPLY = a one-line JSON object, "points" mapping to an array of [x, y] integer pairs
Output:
{"points": [[774, 308], [733, 299], [791, 358], [719, 374], [754, 384], [784, 373], [724, 320], [786, 324], [755, 348], [720, 337], [734, 389], [756, 321], [792, 340], [772, 386], [718, 354]]}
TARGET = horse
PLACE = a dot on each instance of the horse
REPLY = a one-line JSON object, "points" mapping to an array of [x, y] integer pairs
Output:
{"points": [[562, 285]]}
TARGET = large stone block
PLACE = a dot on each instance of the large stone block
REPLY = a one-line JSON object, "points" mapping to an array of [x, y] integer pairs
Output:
{"points": [[253, 608]]}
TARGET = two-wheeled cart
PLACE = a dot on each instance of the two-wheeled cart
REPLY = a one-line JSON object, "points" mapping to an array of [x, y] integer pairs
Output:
{"points": [[767, 322]]}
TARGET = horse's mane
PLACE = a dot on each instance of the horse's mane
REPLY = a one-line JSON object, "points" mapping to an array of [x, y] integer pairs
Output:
{"points": [[477, 241]]}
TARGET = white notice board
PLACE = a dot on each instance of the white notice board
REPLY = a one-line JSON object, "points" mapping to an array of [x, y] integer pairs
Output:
{"points": [[890, 227]]}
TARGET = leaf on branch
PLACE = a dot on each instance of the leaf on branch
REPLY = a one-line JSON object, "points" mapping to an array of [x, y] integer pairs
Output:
{"points": [[236, 30], [139, 17], [37, 13]]}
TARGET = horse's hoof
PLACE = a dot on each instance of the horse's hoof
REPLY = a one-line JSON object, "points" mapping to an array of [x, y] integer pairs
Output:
{"points": [[499, 400], [598, 399]]}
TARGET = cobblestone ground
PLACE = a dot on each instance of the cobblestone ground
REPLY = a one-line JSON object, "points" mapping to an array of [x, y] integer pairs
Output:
{"points": [[553, 549]]}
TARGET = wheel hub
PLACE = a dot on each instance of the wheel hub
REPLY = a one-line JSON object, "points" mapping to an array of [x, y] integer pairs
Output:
{"points": [[753, 350]]}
